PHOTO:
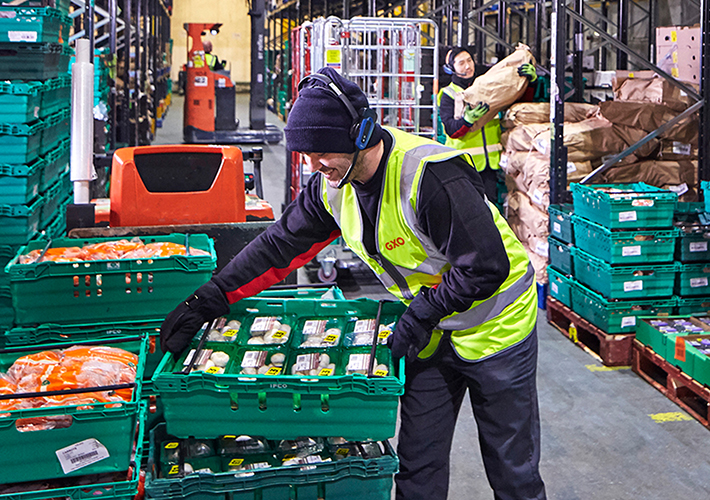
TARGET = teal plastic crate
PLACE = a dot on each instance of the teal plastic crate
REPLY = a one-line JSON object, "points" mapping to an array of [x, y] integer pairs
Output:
{"points": [[352, 478], [7, 313], [625, 247], [650, 335], [561, 222], [61, 5], [693, 306], [19, 184], [617, 317], [20, 102], [33, 25], [282, 406], [561, 255], [624, 282], [20, 143], [56, 164], [692, 245], [107, 290], [53, 199], [624, 206], [57, 226], [18, 223], [112, 425], [560, 286], [316, 292], [693, 279], [705, 186], [56, 95], [34, 61], [56, 130]]}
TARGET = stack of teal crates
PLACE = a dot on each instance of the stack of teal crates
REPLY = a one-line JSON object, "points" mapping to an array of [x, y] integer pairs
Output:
{"points": [[622, 262], [35, 98], [693, 259]]}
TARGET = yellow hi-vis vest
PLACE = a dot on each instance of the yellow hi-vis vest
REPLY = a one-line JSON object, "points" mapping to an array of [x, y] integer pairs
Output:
{"points": [[480, 144], [211, 60], [407, 259]]}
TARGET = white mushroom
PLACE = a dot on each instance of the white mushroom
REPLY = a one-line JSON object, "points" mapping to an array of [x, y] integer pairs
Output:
{"points": [[220, 358]]}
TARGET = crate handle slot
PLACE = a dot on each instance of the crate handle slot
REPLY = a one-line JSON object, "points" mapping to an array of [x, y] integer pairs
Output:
{"points": [[234, 401], [262, 401], [325, 403], [296, 402]]}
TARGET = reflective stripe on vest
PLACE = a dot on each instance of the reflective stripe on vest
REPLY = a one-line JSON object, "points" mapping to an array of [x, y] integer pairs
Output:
{"points": [[479, 145], [413, 261]]}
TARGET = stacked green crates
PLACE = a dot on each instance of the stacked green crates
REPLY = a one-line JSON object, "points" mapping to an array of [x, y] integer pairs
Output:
{"points": [[561, 247], [623, 255], [693, 260]]}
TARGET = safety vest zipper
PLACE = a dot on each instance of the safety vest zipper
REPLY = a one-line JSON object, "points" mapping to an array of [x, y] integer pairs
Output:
{"points": [[396, 276]]}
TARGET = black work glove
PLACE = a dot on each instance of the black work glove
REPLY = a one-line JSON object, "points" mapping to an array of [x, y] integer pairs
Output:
{"points": [[413, 330], [180, 326]]}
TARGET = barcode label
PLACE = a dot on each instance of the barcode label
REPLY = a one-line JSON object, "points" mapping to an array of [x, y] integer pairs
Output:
{"points": [[627, 321], [633, 286], [698, 282], [22, 36], [364, 325], [627, 216], [631, 251], [314, 326], [253, 359], [556, 228], [81, 454], [699, 246], [554, 287], [681, 149], [263, 324], [358, 362]]}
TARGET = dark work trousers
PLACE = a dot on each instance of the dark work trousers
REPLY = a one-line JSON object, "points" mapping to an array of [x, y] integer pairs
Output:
{"points": [[503, 394], [490, 183]]}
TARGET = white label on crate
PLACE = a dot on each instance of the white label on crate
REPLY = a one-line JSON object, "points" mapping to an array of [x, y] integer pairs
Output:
{"points": [[22, 36], [571, 167], [627, 216], [698, 246], [314, 326], [556, 228], [698, 282], [542, 248], [680, 189], [503, 162], [554, 287], [627, 321], [630, 251], [364, 325], [537, 196], [81, 454], [681, 149], [633, 286], [358, 362], [201, 81]]}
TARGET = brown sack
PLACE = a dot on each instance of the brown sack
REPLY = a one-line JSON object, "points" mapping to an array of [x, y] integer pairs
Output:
{"points": [[675, 150], [521, 138], [632, 135], [539, 263], [578, 170], [586, 140], [653, 90], [649, 117], [524, 218], [500, 86], [678, 176], [524, 113]]}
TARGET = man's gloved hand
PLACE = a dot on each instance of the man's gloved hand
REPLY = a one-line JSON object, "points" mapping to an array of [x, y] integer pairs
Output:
{"points": [[180, 326], [471, 115], [528, 71], [413, 331]]}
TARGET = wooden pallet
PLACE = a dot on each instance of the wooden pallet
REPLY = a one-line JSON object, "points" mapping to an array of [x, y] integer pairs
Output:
{"points": [[677, 386], [612, 350]]}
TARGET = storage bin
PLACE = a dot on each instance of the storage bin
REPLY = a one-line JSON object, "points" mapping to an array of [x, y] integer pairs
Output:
{"points": [[561, 222], [561, 255], [20, 102], [19, 184], [20, 143], [560, 286], [34, 61], [693, 279], [19, 223], [33, 25]]}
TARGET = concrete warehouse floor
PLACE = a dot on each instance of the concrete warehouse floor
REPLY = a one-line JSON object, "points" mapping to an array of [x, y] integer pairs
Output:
{"points": [[599, 440]]}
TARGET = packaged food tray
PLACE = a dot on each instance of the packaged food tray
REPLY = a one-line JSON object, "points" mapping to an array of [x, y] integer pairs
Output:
{"points": [[625, 247], [113, 425], [624, 282], [282, 406], [624, 206], [107, 290]]}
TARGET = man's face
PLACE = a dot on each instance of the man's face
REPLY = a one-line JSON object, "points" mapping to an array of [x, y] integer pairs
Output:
{"points": [[464, 65], [332, 165]]}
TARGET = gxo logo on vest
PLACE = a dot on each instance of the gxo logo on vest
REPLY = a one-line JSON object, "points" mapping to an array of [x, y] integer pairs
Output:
{"points": [[397, 242]]}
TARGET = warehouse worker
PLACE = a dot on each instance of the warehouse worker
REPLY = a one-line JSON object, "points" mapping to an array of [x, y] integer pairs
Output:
{"points": [[415, 212], [213, 62], [484, 143]]}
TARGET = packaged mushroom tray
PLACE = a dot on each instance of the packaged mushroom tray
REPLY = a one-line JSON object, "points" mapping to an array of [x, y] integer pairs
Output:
{"points": [[310, 371]]}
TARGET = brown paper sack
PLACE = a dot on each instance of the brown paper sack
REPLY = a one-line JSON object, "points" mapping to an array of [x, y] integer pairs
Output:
{"points": [[586, 140], [632, 135], [578, 170], [653, 90], [677, 176], [675, 150], [525, 113], [500, 86], [525, 219], [513, 162], [539, 264], [649, 117], [521, 138]]}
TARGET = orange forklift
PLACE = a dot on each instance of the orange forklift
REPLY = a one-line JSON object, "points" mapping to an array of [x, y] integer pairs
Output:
{"points": [[209, 109]]}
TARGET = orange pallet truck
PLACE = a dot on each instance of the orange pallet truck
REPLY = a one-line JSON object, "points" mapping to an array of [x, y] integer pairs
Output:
{"points": [[209, 109]]}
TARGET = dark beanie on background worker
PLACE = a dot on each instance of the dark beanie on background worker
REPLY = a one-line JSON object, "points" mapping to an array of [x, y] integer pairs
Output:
{"points": [[320, 123]]}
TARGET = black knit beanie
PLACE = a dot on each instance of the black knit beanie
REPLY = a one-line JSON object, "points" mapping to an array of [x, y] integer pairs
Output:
{"points": [[320, 123]]}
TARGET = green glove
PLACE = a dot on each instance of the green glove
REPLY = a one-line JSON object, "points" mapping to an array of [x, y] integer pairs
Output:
{"points": [[471, 115], [528, 71]]}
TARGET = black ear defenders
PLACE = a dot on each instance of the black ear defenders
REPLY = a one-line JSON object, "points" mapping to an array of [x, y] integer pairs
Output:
{"points": [[449, 64], [363, 120]]}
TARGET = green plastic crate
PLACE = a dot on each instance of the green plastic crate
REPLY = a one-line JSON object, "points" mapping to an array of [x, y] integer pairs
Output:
{"points": [[61, 5], [57, 163], [617, 317], [693, 247], [649, 335], [693, 280], [282, 406], [34, 61], [56, 130], [624, 282], [56, 227], [19, 184], [112, 425], [20, 102], [56, 95], [20, 143], [108, 290], [561, 255], [352, 478], [625, 247], [561, 222], [693, 358], [7, 313], [693, 306], [560, 286], [637, 205], [705, 186], [18, 223], [53, 199], [33, 25]]}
